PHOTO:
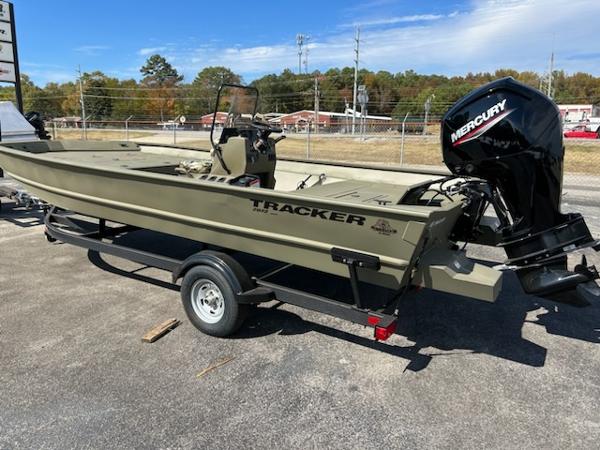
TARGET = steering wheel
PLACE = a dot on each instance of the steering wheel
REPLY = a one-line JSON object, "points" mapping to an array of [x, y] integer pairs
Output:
{"points": [[265, 127]]}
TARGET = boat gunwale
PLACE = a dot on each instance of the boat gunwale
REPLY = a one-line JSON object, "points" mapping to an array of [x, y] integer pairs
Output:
{"points": [[422, 212]]}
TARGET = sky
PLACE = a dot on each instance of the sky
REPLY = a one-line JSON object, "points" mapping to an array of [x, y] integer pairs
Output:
{"points": [[450, 37]]}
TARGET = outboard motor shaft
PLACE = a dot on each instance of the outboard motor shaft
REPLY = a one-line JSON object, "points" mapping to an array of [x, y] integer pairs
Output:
{"points": [[510, 135]]}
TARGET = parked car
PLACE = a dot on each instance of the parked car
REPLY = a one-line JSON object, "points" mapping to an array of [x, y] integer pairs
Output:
{"points": [[582, 131]]}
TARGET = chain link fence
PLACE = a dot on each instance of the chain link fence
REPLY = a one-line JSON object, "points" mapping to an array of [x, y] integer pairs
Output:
{"points": [[408, 143]]}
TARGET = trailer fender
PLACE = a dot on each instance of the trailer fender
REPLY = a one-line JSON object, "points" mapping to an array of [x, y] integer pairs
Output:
{"points": [[241, 283]]}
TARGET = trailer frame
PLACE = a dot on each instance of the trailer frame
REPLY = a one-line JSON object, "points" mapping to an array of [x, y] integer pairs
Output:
{"points": [[66, 226]]}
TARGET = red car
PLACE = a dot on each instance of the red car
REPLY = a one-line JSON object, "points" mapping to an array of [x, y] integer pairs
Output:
{"points": [[582, 131]]}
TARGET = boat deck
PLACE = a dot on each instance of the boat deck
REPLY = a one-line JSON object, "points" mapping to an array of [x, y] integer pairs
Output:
{"points": [[376, 186]]}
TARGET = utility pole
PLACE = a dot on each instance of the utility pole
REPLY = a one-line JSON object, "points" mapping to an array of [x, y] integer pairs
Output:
{"points": [[346, 114], [300, 43], [316, 104], [356, 51], [82, 101], [549, 92], [427, 109], [363, 99]]}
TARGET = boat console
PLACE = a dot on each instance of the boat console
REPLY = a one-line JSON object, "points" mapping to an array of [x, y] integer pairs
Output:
{"points": [[245, 153]]}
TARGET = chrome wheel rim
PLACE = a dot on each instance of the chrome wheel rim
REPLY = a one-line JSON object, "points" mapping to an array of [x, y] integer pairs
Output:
{"points": [[207, 301]]}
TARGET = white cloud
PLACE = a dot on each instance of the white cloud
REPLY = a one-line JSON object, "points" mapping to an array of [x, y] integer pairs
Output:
{"points": [[488, 35], [396, 20], [42, 76], [493, 34], [91, 50], [151, 50]]}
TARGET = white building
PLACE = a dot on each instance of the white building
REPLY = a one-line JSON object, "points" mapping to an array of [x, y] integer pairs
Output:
{"points": [[578, 113]]}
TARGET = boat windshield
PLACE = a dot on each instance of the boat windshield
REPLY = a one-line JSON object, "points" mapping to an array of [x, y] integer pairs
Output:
{"points": [[239, 103], [234, 109]]}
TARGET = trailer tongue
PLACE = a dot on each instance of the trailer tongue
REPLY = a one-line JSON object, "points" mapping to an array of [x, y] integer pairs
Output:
{"points": [[505, 138]]}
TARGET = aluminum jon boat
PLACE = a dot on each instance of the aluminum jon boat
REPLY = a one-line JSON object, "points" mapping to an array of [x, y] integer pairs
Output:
{"points": [[393, 228]]}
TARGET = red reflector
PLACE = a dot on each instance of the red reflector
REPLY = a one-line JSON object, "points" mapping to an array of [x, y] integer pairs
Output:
{"points": [[373, 320], [383, 333]]}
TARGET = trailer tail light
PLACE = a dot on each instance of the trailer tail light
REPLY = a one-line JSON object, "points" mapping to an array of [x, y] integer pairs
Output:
{"points": [[382, 333], [373, 320]]}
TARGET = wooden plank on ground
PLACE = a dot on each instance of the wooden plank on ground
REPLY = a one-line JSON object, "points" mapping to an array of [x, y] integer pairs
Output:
{"points": [[160, 330]]}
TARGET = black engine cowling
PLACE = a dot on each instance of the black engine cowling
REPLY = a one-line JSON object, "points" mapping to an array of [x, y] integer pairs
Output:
{"points": [[510, 135]]}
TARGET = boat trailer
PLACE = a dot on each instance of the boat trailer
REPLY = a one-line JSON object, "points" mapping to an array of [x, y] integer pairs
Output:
{"points": [[97, 235]]}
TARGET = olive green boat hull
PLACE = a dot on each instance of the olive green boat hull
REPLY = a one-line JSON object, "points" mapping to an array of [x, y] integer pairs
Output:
{"points": [[298, 227]]}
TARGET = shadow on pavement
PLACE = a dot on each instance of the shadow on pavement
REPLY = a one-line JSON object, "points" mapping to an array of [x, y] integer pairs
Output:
{"points": [[431, 320], [21, 216], [96, 259]]}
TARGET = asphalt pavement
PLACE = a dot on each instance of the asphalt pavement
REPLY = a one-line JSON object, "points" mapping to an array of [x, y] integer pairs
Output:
{"points": [[523, 372]]}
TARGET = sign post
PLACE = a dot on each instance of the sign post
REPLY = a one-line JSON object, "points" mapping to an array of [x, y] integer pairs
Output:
{"points": [[9, 58]]}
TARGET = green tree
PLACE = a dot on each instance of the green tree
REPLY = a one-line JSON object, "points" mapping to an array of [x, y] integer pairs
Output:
{"points": [[130, 101], [206, 84], [162, 79], [32, 94], [98, 100], [159, 71]]}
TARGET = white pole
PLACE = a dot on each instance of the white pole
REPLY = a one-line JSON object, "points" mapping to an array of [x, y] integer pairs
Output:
{"points": [[346, 114], [427, 108], [402, 141], [316, 105], [356, 51], [81, 100], [308, 141], [550, 75], [127, 127]]}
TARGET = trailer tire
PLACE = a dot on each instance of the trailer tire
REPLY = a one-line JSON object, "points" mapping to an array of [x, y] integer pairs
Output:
{"points": [[210, 302]]}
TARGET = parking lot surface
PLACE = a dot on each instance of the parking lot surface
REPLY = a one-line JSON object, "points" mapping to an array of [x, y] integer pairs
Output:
{"points": [[523, 372]]}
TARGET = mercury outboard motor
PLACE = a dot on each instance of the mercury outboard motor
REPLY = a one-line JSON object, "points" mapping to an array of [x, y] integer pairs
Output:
{"points": [[37, 121], [510, 136]]}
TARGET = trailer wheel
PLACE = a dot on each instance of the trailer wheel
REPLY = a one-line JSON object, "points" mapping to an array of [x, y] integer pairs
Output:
{"points": [[210, 303]]}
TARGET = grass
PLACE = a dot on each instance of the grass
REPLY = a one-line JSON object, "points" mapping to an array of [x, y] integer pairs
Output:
{"points": [[580, 157], [98, 135], [373, 150]]}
